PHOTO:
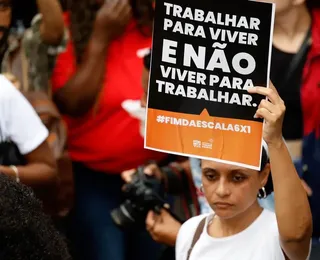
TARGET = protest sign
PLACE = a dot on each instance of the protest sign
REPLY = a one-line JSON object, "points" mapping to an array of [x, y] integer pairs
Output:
{"points": [[205, 56]]}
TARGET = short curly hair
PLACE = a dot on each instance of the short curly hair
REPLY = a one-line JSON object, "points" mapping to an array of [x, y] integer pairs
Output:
{"points": [[26, 233]]}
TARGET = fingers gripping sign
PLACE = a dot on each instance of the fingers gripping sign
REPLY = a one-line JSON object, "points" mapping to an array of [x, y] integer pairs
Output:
{"points": [[272, 110]]}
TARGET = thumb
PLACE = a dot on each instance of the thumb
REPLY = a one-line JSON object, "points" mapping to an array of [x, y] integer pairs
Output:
{"points": [[150, 220], [165, 212], [271, 86], [127, 175]]}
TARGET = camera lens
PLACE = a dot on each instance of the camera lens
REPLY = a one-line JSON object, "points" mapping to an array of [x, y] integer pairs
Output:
{"points": [[124, 216]]}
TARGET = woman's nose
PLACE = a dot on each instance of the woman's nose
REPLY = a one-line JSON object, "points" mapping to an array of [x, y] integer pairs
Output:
{"points": [[223, 189]]}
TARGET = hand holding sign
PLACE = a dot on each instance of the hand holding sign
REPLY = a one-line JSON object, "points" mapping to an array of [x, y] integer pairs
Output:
{"points": [[272, 110]]}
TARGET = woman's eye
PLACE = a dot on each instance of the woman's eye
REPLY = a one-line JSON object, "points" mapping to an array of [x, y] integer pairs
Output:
{"points": [[211, 177], [238, 178]]}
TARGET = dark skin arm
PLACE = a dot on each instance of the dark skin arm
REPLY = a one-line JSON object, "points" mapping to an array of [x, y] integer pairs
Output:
{"points": [[40, 169], [52, 26], [76, 97], [80, 93]]}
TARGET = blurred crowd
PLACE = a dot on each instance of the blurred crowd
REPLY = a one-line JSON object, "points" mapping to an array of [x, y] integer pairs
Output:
{"points": [[74, 85]]}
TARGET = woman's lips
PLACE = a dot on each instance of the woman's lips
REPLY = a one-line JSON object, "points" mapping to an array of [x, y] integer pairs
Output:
{"points": [[222, 205]]}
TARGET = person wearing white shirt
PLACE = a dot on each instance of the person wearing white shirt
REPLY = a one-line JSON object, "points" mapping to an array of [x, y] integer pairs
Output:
{"points": [[240, 228], [20, 124]]}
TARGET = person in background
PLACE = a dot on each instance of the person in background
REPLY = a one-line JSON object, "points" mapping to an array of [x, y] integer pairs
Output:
{"points": [[20, 125], [26, 233], [99, 71], [29, 55], [28, 60]]}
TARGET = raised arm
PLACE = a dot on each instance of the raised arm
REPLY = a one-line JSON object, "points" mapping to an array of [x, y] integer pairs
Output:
{"points": [[291, 202], [52, 25], [79, 94]]}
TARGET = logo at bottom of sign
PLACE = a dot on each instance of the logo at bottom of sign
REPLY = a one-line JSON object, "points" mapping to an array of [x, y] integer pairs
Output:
{"points": [[204, 145]]}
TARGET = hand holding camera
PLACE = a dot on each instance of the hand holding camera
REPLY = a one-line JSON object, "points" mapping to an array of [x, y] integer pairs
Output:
{"points": [[162, 227], [143, 192], [150, 170]]}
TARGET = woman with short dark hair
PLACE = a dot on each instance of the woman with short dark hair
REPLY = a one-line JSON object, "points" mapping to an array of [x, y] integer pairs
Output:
{"points": [[240, 228]]}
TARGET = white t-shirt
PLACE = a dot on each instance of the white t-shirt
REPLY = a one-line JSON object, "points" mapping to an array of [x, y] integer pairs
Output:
{"points": [[260, 241], [19, 122]]}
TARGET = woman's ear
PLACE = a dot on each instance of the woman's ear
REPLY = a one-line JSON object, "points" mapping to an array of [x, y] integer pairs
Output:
{"points": [[264, 175]]}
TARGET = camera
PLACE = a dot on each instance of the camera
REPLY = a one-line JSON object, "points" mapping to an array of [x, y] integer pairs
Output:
{"points": [[142, 194]]}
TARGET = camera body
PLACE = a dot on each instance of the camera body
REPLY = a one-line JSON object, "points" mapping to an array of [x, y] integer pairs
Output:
{"points": [[142, 194]]}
